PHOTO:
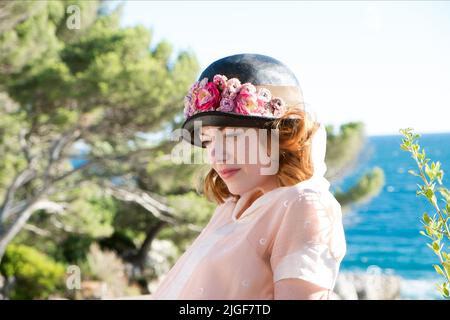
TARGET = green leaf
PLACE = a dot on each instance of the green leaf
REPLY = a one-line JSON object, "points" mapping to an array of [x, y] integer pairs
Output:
{"points": [[413, 173], [437, 166], [426, 218], [445, 289], [445, 193], [403, 147], [429, 193], [438, 270], [446, 266], [436, 246], [429, 172], [421, 155], [439, 176]]}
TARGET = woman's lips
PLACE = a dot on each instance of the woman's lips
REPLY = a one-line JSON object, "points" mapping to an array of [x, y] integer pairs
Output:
{"points": [[227, 173]]}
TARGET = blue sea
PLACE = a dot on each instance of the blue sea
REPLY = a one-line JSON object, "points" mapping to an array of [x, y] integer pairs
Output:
{"points": [[383, 234]]}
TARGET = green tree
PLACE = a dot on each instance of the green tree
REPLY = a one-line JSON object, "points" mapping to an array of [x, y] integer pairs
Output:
{"points": [[99, 87], [343, 151]]}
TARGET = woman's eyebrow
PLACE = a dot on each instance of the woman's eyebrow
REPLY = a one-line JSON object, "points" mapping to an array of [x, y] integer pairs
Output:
{"points": [[205, 134]]}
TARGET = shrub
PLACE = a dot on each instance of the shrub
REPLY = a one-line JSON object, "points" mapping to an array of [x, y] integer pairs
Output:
{"points": [[36, 275]]}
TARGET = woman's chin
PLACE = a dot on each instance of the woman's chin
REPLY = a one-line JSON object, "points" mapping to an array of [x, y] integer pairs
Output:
{"points": [[238, 189], [235, 188]]}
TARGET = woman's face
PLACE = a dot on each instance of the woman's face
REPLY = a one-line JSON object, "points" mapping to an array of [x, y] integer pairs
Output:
{"points": [[233, 154]]}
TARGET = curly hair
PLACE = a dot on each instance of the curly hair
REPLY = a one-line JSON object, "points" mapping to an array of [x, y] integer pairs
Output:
{"points": [[296, 130]]}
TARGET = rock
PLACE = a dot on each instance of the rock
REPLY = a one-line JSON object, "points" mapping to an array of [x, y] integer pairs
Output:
{"points": [[364, 286], [345, 287]]}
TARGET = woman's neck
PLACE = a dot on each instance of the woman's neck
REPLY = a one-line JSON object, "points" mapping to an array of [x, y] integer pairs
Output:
{"points": [[255, 193]]}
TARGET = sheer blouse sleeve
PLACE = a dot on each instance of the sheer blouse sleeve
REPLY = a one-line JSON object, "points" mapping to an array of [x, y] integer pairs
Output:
{"points": [[309, 243]]}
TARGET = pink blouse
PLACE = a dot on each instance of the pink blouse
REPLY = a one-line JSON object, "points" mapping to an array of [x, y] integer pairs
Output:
{"points": [[288, 232]]}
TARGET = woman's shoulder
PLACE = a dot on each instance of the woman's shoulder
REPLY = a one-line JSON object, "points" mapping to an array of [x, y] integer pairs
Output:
{"points": [[299, 195], [317, 212], [299, 191]]}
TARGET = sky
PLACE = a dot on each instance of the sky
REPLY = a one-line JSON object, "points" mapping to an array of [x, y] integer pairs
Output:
{"points": [[386, 64]]}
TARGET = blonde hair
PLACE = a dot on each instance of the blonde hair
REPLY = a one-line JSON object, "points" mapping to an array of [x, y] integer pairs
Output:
{"points": [[295, 164]]}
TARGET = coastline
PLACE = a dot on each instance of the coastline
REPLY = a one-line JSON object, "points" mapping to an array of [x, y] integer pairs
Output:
{"points": [[360, 285]]}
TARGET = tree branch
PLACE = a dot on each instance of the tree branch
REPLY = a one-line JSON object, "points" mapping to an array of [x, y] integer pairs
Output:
{"points": [[58, 146], [158, 209], [21, 220], [37, 230], [96, 160], [21, 179]]}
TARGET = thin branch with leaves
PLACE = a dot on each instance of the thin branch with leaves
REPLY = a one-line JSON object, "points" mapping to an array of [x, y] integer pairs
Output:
{"points": [[437, 225]]}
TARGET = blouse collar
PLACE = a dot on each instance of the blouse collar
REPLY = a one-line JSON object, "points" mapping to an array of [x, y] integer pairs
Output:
{"points": [[258, 202], [317, 183]]}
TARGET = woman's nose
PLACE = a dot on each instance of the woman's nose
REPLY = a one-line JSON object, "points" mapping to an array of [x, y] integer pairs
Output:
{"points": [[218, 153]]}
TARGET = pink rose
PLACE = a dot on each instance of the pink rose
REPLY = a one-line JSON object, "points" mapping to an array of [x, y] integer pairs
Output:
{"points": [[207, 97], [188, 106], [203, 83], [246, 103], [277, 106], [220, 81], [264, 97], [263, 111], [229, 93], [234, 84], [226, 105], [241, 109], [247, 88], [189, 100]]}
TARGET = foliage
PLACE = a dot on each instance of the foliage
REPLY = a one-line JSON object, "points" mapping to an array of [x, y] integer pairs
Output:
{"points": [[437, 225], [36, 276], [344, 150], [85, 94], [107, 267], [368, 186]]}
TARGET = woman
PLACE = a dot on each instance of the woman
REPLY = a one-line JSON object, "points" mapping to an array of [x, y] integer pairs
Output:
{"points": [[277, 230]]}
